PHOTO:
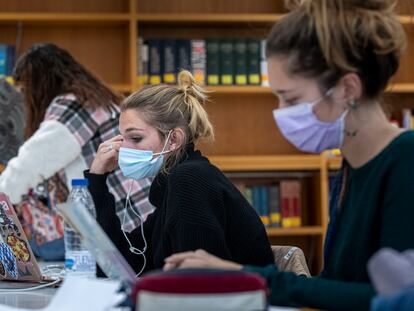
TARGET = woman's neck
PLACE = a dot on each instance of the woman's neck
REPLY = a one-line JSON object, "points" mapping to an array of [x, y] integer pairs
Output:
{"points": [[372, 133]]}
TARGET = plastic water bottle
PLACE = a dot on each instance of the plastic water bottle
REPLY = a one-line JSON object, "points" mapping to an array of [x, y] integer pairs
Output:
{"points": [[78, 259]]}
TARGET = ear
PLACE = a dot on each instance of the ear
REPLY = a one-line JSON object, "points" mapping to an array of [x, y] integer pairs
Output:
{"points": [[349, 88], [176, 139]]}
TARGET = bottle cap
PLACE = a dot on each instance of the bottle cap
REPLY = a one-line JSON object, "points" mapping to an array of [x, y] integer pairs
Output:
{"points": [[80, 182]]}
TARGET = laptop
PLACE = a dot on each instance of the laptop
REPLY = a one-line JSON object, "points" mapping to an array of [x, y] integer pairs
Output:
{"points": [[17, 261], [108, 257]]}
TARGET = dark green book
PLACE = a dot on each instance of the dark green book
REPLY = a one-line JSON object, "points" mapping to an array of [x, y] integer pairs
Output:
{"points": [[226, 62], [213, 62], [240, 61], [253, 61]]}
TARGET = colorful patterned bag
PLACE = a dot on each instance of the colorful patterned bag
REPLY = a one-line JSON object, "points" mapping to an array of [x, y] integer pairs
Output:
{"points": [[41, 223]]}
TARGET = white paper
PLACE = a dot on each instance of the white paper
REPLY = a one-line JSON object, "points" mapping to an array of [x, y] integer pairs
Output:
{"points": [[82, 295]]}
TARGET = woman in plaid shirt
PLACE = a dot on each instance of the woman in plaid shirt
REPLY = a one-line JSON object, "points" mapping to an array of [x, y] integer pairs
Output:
{"points": [[70, 113]]}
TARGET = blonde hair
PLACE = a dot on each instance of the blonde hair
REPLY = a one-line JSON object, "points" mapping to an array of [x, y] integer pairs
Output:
{"points": [[167, 107], [326, 39]]}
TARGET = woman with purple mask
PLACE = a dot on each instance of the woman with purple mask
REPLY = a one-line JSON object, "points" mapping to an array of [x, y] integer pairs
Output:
{"points": [[329, 61]]}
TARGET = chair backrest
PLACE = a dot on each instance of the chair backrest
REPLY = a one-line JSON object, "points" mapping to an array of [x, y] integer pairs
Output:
{"points": [[290, 258]]}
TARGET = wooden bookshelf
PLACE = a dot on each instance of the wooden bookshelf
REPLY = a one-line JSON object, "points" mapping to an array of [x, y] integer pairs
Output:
{"points": [[300, 231], [102, 35], [267, 163], [208, 18]]}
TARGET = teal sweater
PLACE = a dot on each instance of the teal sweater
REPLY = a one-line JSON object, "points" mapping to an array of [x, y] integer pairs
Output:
{"points": [[377, 212]]}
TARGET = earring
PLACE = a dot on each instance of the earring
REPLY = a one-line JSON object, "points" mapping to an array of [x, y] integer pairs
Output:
{"points": [[353, 103]]}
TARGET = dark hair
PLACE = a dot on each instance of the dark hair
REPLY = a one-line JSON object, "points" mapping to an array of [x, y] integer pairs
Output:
{"points": [[45, 71], [325, 39]]}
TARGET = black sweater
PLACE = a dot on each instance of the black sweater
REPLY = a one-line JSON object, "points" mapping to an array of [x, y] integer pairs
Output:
{"points": [[197, 207]]}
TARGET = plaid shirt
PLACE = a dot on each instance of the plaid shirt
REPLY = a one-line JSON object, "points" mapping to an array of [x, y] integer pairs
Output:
{"points": [[91, 127]]}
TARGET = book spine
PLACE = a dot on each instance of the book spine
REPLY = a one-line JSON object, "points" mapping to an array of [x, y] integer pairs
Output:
{"points": [[407, 118], [263, 64], [240, 61], [213, 62], [155, 61], [199, 60], [10, 60], [274, 209], [183, 55], [3, 59], [170, 67], [264, 205], [226, 62], [286, 203], [296, 204], [256, 199], [142, 61], [253, 61]]}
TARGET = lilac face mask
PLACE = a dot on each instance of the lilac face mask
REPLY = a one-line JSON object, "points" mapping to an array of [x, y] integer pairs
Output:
{"points": [[300, 126]]}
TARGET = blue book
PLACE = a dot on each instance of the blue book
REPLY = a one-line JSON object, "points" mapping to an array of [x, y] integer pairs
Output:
{"points": [[10, 59], [3, 59], [256, 199], [264, 205]]}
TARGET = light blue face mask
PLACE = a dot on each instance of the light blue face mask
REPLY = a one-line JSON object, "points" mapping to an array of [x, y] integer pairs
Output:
{"points": [[139, 164]]}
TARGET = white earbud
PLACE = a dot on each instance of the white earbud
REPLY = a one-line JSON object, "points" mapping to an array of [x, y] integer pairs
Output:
{"points": [[133, 249]]}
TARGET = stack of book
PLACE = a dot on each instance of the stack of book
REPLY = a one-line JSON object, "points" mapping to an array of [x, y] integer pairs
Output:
{"points": [[278, 204], [226, 61]]}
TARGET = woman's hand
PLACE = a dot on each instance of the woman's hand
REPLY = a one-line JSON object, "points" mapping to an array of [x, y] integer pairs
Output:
{"points": [[198, 259], [106, 159]]}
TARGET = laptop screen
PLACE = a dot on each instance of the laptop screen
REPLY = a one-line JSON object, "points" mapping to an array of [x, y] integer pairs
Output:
{"points": [[106, 254]]}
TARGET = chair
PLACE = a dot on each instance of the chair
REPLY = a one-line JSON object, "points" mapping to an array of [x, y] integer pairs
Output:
{"points": [[290, 258]]}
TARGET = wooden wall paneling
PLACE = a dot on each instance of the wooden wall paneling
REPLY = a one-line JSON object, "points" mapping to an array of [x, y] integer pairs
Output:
{"points": [[64, 6]]}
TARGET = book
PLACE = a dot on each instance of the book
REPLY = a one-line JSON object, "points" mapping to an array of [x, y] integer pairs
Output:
{"points": [[263, 64], [198, 60], [274, 206], [256, 199], [3, 59], [226, 62], [290, 198], [253, 61], [155, 64], [264, 205], [240, 61], [407, 119], [183, 55], [142, 61], [213, 62], [170, 66]]}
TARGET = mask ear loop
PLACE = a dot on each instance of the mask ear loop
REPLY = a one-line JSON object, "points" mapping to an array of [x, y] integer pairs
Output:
{"points": [[165, 145], [133, 249]]}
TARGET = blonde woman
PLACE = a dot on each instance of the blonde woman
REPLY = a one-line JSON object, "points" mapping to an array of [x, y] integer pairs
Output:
{"points": [[329, 62], [196, 205]]}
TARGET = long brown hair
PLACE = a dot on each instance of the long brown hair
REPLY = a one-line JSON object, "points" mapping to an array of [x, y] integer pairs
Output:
{"points": [[45, 71], [325, 39]]}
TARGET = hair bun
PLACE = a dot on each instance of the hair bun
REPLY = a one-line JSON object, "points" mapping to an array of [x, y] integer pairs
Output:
{"points": [[189, 86], [185, 79]]}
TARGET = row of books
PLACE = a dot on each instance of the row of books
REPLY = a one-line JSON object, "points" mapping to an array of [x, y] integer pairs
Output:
{"points": [[278, 205], [408, 119], [226, 61], [7, 59]]}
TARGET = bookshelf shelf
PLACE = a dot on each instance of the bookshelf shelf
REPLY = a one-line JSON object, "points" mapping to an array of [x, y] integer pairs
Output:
{"points": [[398, 88], [267, 163], [300, 231], [334, 163], [224, 18], [207, 18], [122, 88], [64, 18]]}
